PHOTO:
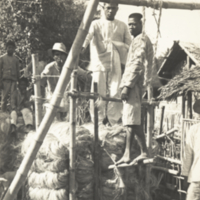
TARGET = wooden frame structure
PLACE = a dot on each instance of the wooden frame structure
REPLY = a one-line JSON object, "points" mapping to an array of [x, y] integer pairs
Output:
{"points": [[170, 4], [25, 166]]}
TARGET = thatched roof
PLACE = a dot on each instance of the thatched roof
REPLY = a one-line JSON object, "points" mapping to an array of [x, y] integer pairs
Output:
{"points": [[192, 50], [188, 79], [178, 53]]}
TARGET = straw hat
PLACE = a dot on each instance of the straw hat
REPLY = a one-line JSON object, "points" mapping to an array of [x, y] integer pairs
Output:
{"points": [[196, 106], [59, 47]]}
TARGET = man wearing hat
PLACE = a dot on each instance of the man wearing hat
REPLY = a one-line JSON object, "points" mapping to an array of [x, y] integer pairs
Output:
{"points": [[9, 73], [109, 41], [191, 159], [134, 81], [52, 72]]}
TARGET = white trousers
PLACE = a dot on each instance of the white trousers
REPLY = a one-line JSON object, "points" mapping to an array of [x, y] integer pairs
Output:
{"points": [[109, 84], [26, 114]]}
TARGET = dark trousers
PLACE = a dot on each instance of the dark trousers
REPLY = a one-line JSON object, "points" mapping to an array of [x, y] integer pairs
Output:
{"points": [[9, 86]]}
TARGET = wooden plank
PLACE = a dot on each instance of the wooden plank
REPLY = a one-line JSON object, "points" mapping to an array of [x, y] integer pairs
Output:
{"points": [[173, 4]]}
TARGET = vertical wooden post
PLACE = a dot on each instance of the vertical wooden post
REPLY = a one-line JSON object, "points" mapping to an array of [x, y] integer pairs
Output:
{"points": [[37, 92], [96, 147], [183, 106], [189, 105], [72, 180], [161, 119], [149, 119], [149, 139]]}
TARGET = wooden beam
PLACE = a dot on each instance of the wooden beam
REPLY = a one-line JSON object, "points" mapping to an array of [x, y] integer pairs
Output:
{"points": [[173, 4]]}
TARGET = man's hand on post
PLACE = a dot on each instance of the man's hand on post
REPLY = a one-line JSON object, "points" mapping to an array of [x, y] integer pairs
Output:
{"points": [[125, 93], [35, 79]]}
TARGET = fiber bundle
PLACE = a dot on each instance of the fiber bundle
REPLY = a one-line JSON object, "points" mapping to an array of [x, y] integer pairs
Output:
{"points": [[49, 178]]}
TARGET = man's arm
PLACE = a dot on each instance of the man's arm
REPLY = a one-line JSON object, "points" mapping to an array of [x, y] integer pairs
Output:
{"points": [[134, 66], [89, 37], [188, 153]]}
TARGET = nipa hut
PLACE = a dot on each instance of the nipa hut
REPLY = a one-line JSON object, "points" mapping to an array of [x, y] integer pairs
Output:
{"points": [[180, 75]]}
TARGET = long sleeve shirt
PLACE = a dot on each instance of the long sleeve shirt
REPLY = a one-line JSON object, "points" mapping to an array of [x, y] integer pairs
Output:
{"points": [[9, 68], [140, 55], [53, 70], [107, 32], [191, 156]]}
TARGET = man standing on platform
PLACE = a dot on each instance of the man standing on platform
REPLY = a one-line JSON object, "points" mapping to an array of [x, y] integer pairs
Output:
{"points": [[110, 41], [135, 79]]}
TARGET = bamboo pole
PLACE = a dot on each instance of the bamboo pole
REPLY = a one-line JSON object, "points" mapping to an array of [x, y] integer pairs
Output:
{"points": [[176, 161], [72, 153], [149, 138], [103, 98], [54, 103], [170, 171], [149, 119], [96, 147], [173, 4], [37, 92]]}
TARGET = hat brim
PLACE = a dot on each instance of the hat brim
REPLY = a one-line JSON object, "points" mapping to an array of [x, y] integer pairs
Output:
{"points": [[196, 106], [58, 50]]}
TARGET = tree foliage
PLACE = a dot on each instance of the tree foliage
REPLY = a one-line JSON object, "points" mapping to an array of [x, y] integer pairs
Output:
{"points": [[37, 24]]}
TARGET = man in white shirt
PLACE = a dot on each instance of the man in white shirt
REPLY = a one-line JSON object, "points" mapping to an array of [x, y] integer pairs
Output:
{"points": [[109, 43]]}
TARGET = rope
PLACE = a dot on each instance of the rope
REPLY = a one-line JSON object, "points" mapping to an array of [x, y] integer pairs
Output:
{"points": [[157, 36], [158, 27]]}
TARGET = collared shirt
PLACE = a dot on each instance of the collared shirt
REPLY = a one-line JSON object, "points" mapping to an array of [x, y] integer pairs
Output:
{"points": [[107, 32], [140, 56], [191, 157], [53, 70], [9, 67]]}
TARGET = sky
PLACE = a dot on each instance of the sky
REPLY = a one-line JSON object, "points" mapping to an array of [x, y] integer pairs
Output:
{"points": [[182, 25]]}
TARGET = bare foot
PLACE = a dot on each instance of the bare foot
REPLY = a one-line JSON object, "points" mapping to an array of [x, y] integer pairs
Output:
{"points": [[139, 158], [124, 159]]}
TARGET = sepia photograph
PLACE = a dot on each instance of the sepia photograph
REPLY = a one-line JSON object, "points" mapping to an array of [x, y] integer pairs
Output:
{"points": [[99, 100]]}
